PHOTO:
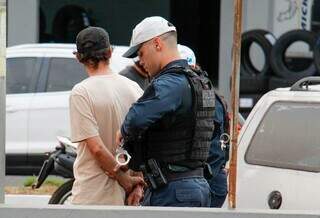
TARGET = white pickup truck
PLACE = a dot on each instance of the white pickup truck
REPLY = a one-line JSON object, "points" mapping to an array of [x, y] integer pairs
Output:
{"points": [[279, 150]]}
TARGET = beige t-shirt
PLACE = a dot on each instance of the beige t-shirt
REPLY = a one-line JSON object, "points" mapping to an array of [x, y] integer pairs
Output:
{"points": [[98, 106]]}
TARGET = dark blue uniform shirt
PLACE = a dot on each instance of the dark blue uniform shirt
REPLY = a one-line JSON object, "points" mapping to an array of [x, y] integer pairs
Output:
{"points": [[168, 93]]}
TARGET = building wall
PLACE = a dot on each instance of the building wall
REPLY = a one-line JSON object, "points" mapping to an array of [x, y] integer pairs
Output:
{"points": [[256, 14], [118, 17], [22, 21]]}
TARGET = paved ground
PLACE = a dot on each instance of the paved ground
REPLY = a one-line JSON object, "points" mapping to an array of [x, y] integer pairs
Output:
{"points": [[37, 200]]}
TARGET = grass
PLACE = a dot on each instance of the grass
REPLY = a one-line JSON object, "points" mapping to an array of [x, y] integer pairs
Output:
{"points": [[53, 181], [47, 188]]}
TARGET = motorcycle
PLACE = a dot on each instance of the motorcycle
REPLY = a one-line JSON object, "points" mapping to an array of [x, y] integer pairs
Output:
{"points": [[60, 162]]}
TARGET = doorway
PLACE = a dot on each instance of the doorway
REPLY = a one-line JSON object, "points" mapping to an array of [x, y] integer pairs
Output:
{"points": [[198, 24]]}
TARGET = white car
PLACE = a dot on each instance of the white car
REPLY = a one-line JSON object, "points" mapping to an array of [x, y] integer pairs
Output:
{"points": [[39, 80], [279, 150]]}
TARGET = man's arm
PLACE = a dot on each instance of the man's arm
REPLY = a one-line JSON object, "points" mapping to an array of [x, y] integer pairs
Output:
{"points": [[104, 157], [108, 163], [162, 97], [84, 127]]}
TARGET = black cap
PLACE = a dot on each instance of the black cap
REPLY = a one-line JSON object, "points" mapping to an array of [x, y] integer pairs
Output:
{"points": [[92, 39]]}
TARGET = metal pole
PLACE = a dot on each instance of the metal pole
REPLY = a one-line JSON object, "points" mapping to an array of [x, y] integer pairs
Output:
{"points": [[236, 51], [2, 95]]}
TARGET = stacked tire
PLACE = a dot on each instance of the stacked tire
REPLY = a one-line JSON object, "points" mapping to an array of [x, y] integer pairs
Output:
{"points": [[284, 75], [254, 82], [278, 69]]}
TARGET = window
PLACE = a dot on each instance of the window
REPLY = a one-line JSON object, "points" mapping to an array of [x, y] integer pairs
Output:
{"points": [[288, 137], [21, 75], [64, 73]]}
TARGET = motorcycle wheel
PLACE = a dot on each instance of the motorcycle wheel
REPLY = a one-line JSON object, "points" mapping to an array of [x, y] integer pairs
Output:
{"points": [[61, 195]]}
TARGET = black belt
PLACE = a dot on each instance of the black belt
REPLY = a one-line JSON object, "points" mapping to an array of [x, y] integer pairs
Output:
{"points": [[180, 175]]}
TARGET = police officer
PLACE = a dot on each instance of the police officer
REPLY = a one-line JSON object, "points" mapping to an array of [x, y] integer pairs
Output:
{"points": [[137, 74], [219, 154], [168, 130]]}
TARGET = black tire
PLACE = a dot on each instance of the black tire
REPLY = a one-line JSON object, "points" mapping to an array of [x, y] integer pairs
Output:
{"points": [[62, 193], [253, 84], [279, 50], [265, 40], [276, 82]]}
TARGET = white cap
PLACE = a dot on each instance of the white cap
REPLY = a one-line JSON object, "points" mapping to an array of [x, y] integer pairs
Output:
{"points": [[188, 54], [147, 29]]}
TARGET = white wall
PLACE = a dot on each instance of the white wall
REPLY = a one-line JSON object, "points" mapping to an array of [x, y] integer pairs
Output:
{"points": [[257, 14], [226, 37], [22, 21]]}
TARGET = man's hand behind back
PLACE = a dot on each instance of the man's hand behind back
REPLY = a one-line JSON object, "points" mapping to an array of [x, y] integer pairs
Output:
{"points": [[135, 196], [128, 182]]}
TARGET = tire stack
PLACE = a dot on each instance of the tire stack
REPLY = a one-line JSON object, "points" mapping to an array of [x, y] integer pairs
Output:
{"points": [[253, 82], [278, 70]]}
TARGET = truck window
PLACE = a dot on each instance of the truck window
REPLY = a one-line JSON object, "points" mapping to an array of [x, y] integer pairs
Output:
{"points": [[21, 75], [64, 73], [288, 137]]}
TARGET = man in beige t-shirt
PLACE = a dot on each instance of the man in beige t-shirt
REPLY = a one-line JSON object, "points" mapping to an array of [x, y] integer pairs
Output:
{"points": [[98, 106]]}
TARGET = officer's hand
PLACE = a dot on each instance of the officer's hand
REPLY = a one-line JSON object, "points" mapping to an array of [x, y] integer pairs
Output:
{"points": [[129, 182], [118, 137], [135, 196]]}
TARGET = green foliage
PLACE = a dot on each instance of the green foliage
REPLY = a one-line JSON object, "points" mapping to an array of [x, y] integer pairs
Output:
{"points": [[29, 181], [53, 181]]}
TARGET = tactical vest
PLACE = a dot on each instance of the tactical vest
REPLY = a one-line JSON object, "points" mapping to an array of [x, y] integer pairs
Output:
{"points": [[186, 139]]}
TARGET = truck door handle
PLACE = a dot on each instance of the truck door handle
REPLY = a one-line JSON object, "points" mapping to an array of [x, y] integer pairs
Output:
{"points": [[275, 200]]}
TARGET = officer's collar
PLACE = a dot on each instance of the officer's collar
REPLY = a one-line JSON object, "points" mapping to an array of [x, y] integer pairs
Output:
{"points": [[181, 63]]}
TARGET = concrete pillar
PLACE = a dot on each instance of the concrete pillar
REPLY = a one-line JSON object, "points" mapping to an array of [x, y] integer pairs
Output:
{"points": [[2, 95], [23, 17], [226, 34]]}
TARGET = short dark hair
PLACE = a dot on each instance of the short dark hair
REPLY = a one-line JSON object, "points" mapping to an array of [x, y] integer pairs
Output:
{"points": [[171, 38], [93, 58]]}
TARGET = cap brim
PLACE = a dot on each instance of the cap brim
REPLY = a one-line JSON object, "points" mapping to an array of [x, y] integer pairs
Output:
{"points": [[132, 52]]}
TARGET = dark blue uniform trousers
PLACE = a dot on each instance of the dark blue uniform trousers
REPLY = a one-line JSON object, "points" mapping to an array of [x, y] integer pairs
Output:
{"points": [[219, 188], [185, 192]]}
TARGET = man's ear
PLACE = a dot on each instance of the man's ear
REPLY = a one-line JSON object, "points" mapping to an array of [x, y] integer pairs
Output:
{"points": [[109, 53], [158, 43], [77, 56]]}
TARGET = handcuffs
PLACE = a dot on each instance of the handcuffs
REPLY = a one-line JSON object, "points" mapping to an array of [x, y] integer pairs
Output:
{"points": [[122, 154], [224, 140]]}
